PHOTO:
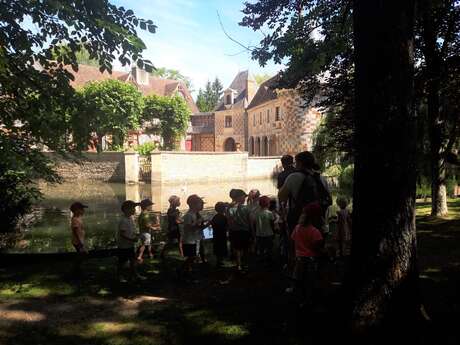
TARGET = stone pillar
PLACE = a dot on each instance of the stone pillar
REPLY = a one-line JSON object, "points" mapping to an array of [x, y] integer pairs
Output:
{"points": [[131, 167]]}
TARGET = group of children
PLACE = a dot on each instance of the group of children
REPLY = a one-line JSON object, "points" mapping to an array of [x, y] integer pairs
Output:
{"points": [[249, 223]]}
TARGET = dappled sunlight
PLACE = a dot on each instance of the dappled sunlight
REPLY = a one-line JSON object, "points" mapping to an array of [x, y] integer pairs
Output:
{"points": [[20, 316]]}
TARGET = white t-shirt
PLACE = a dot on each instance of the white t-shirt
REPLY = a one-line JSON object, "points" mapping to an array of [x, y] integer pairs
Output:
{"points": [[190, 234], [127, 228]]}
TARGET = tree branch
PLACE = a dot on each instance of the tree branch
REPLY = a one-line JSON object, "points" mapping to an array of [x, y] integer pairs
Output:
{"points": [[230, 37]]}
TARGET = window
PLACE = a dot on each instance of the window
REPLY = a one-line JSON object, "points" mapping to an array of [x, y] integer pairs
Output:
{"points": [[229, 99], [254, 120], [277, 114], [228, 121], [260, 118], [268, 115]]}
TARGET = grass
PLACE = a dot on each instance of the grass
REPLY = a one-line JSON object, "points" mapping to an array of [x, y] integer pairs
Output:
{"points": [[40, 304]]}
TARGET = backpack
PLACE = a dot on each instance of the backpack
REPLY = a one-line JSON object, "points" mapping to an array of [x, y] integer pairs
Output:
{"points": [[311, 190]]}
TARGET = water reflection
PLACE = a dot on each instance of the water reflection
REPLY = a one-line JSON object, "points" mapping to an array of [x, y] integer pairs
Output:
{"points": [[50, 231]]}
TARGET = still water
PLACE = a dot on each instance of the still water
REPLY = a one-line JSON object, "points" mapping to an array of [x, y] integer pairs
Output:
{"points": [[50, 231]]}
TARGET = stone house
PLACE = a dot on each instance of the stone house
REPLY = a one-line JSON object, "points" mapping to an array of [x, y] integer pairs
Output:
{"points": [[202, 132], [145, 83], [230, 117], [279, 121]]}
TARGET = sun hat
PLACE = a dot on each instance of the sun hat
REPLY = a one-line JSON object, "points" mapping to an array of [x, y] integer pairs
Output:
{"points": [[193, 199], [128, 204], [146, 202], [77, 206], [237, 193]]}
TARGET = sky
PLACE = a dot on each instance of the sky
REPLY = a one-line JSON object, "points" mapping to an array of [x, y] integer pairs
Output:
{"points": [[190, 39]]}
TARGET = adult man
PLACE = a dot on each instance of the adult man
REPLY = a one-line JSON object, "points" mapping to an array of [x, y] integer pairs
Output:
{"points": [[299, 188], [287, 161]]}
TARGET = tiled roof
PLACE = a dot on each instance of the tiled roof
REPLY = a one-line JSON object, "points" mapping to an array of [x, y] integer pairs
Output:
{"points": [[157, 86], [265, 93], [239, 85]]}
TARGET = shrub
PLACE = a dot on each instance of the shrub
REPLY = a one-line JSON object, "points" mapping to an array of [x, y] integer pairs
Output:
{"points": [[147, 148]]}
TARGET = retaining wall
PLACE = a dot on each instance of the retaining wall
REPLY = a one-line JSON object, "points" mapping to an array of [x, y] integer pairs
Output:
{"points": [[105, 166]]}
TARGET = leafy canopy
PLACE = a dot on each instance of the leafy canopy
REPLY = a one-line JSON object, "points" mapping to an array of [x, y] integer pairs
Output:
{"points": [[36, 99], [108, 107], [173, 114]]}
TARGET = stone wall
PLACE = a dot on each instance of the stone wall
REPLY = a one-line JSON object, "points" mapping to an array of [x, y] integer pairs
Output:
{"points": [[177, 167], [263, 167], [105, 166]]}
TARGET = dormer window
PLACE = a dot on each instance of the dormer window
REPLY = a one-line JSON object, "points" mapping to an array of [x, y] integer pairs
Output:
{"points": [[229, 97]]}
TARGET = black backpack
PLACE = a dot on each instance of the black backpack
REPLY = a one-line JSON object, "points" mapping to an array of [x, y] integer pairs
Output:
{"points": [[311, 190]]}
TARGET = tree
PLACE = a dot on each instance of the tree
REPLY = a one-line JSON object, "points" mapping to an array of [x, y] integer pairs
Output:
{"points": [[107, 107], [208, 98], [363, 58], [174, 116], [36, 97], [166, 73], [439, 44]]}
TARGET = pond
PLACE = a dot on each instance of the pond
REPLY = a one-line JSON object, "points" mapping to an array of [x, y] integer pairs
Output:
{"points": [[50, 231]]}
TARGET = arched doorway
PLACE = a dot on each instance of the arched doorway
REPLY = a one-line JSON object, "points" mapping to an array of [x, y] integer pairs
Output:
{"points": [[265, 146], [229, 145], [257, 147], [251, 146]]}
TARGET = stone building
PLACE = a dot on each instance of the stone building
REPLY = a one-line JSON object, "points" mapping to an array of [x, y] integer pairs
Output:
{"points": [[202, 132], [230, 117], [147, 85], [279, 121]]}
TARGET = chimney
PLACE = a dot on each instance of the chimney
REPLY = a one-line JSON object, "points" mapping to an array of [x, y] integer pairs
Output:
{"points": [[251, 88], [140, 76]]}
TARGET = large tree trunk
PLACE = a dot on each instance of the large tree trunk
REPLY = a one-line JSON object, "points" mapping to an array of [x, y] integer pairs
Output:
{"points": [[384, 278], [433, 73]]}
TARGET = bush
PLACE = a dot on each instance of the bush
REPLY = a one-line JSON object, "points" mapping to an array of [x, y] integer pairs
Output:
{"points": [[346, 181], [147, 148]]}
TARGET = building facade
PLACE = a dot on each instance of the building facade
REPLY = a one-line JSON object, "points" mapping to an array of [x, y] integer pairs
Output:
{"points": [[231, 128], [280, 122], [202, 132]]}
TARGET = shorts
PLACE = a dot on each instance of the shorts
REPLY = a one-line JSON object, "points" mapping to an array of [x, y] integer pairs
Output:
{"points": [[189, 250], [240, 240], [146, 239], [305, 268], [126, 254], [79, 247]]}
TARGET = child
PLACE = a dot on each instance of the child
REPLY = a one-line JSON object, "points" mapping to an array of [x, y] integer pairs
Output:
{"points": [[191, 234], [343, 235], [254, 208], [146, 226], [308, 243], [174, 221], [78, 235], [239, 225], [219, 229], [265, 223], [276, 215], [127, 239]]}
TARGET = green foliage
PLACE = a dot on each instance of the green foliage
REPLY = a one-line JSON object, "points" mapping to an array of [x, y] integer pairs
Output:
{"points": [[260, 78], [166, 73], [173, 114], [208, 98], [147, 148], [36, 98], [346, 181], [20, 166], [108, 107]]}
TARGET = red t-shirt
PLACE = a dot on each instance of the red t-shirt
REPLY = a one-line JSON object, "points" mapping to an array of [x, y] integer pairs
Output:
{"points": [[306, 240]]}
